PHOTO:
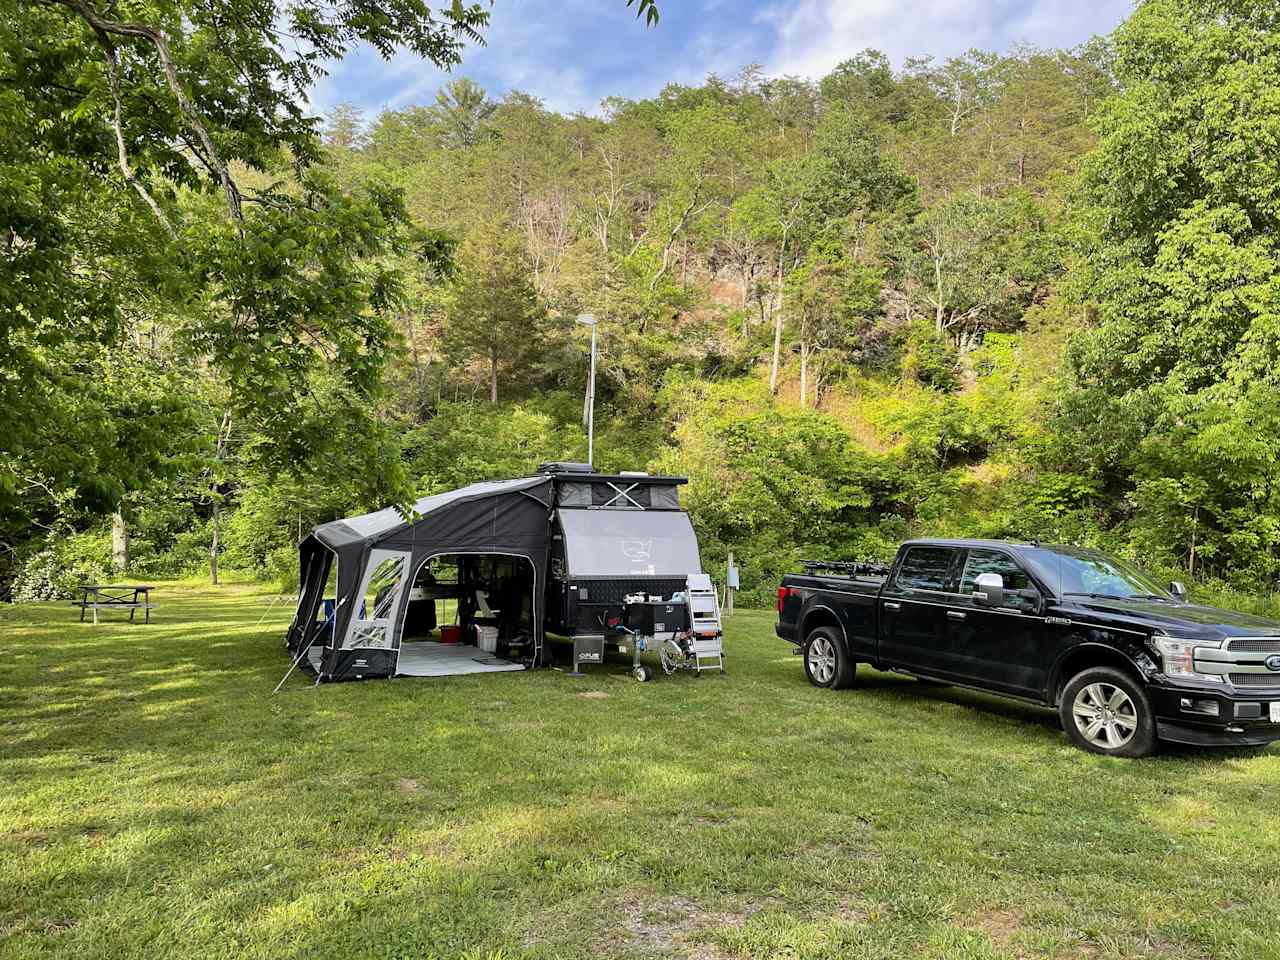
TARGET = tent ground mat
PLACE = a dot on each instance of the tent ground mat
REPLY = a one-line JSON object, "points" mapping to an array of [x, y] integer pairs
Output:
{"points": [[428, 658]]}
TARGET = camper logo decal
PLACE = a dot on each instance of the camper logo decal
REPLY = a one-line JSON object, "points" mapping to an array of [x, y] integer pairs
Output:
{"points": [[637, 550]]}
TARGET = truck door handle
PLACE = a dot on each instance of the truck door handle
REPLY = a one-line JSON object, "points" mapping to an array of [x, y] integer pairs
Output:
{"points": [[956, 614], [892, 606]]}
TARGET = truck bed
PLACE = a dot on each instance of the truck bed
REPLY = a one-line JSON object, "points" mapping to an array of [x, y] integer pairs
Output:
{"points": [[851, 600]]}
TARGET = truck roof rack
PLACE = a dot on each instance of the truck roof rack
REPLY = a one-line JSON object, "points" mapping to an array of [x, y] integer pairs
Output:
{"points": [[851, 568]]}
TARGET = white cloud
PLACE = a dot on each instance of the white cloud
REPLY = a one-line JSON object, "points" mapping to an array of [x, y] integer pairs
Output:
{"points": [[815, 35]]}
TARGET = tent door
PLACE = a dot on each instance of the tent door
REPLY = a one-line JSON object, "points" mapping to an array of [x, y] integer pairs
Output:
{"points": [[497, 593]]}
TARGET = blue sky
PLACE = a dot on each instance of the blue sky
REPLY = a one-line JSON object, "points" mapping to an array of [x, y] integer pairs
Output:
{"points": [[573, 53]]}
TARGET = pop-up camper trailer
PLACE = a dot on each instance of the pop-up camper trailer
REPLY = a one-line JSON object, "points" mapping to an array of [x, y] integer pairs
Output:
{"points": [[475, 578]]}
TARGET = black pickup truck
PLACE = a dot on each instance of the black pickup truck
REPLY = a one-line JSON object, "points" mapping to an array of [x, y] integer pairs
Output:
{"points": [[1126, 662]]}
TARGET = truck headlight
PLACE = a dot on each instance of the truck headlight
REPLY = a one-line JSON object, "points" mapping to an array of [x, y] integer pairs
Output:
{"points": [[1179, 657]]}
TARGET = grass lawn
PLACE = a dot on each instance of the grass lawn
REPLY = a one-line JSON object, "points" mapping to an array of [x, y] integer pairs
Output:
{"points": [[158, 801]]}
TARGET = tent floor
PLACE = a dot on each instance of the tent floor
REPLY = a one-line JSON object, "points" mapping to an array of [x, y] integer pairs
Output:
{"points": [[428, 658]]}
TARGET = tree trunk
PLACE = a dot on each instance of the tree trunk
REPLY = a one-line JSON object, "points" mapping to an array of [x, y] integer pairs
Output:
{"points": [[940, 301], [777, 346], [1191, 558], [777, 320], [493, 376], [804, 373], [119, 543], [214, 544], [224, 437]]}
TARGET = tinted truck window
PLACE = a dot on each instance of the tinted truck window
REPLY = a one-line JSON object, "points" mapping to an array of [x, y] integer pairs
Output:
{"points": [[992, 561], [925, 568]]}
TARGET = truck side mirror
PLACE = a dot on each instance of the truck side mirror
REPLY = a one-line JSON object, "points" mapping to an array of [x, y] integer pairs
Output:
{"points": [[988, 590], [1179, 590]]}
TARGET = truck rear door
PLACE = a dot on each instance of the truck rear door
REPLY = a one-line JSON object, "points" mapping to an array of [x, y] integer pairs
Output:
{"points": [[913, 608]]}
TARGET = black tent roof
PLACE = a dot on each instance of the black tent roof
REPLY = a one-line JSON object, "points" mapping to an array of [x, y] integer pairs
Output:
{"points": [[389, 523]]}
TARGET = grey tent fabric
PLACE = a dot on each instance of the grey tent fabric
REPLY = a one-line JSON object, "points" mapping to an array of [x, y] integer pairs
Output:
{"points": [[620, 492], [615, 527], [629, 543], [315, 561]]}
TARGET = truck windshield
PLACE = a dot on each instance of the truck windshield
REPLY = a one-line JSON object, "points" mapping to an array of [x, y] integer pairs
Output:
{"points": [[1095, 575]]}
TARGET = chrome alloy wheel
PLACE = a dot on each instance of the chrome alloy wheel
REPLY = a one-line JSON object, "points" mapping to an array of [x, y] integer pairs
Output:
{"points": [[822, 659], [1105, 715]]}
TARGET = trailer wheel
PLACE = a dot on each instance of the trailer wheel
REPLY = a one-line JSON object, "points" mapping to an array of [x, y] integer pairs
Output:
{"points": [[826, 662], [642, 673]]}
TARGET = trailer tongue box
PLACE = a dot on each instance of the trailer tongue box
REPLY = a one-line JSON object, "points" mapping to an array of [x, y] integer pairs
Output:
{"points": [[653, 618]]}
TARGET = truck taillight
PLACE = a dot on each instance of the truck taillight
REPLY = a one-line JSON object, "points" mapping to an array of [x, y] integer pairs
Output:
{"points": [[783, 593]]}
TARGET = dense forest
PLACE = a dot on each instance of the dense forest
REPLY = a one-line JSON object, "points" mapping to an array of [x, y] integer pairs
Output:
{"points": [[1027, 294]]}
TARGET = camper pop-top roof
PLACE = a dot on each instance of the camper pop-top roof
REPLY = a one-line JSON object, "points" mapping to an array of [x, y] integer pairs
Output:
{"points": [[578, 487]]}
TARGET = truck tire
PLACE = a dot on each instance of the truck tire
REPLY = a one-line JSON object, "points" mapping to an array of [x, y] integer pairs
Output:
{"points": [[826, 662], [1106, 711]]}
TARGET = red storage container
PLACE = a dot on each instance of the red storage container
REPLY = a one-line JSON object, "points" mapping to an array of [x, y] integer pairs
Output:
{"points": [[451, 633]]}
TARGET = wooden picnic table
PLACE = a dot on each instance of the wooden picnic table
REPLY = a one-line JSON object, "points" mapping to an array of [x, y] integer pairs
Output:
{"points": [[114, 596]]}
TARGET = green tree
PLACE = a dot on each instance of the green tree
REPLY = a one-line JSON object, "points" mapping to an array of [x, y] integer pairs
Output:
{"points": [[497, 316], [977, 264], [840, 185], [831, 295], [867, 81], [462, 112], [149, 116], [344, 128], [1177, 382]]}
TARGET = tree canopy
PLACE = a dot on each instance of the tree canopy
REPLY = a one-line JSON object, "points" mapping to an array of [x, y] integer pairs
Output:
{"points": [[1027, 293]]}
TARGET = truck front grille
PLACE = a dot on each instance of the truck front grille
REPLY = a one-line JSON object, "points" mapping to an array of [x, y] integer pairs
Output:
{"points": [[1255, 679], [1254, 645]]}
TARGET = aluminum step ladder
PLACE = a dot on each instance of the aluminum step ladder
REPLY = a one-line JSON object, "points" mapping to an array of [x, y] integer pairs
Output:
{"points": [[707, 644]]}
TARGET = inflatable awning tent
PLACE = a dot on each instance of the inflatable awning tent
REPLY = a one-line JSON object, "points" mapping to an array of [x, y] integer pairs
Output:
{"points": [[587, 538], [378, 556]]}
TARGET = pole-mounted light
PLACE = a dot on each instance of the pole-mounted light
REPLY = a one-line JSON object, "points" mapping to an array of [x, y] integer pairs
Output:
{"points": [[590, 321]]}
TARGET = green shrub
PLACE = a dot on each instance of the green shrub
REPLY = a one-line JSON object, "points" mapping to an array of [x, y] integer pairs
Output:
{"points": [[61, 564]]}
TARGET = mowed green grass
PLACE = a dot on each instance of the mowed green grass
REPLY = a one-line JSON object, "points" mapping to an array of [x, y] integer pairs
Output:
{"points": [[158, 801]]}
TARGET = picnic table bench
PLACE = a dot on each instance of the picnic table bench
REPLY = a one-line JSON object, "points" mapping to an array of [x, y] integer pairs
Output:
{"points": [[107, 596]]}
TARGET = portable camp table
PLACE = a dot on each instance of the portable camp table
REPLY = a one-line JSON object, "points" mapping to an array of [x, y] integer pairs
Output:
{"points": [[102, 596]]}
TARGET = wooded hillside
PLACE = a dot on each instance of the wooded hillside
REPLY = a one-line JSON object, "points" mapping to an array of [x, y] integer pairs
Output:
{"points": [[1025, 295]]}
